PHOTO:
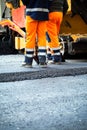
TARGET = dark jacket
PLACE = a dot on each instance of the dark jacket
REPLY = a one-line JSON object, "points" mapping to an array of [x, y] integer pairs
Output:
{"points": [[59, 5], [37, 9]]}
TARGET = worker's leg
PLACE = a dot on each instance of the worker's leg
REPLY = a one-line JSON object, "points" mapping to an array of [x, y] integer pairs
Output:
{"points": [[41, 33], [53, 34], [52, 30], [31, 26]]}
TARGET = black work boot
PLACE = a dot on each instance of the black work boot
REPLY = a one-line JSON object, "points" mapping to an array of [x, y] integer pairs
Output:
{"points": [[42, 61], [57, 59]]}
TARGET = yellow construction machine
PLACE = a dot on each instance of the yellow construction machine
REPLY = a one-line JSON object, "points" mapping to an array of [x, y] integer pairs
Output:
{"points": [[73, 32]]}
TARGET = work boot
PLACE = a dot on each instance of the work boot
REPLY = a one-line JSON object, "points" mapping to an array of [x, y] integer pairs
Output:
{"points": [[24, 64], [42, 61], [56, 58], [28, 62], [49, 57]]}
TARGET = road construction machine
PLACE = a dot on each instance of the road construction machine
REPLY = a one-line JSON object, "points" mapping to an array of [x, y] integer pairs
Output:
{"points": [[73, 32]]}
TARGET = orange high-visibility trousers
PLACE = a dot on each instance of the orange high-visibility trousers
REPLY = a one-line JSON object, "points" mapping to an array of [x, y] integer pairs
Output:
{"points": [[35, 29], [53, 28]]}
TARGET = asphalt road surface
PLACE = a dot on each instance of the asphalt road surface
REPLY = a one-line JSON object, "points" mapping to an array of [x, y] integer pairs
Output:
{"points": [[53, 98], [58, 103]]}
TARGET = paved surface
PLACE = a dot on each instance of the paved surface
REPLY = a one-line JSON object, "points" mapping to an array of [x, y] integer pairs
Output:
{"points": [[55, 100], [11, 69], [58, 103]]}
